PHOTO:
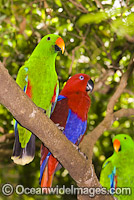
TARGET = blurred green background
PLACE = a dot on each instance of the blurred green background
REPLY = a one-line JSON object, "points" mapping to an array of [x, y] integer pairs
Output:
{"points": [[99, 42]]}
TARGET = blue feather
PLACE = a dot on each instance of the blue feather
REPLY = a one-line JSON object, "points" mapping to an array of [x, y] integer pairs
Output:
{"points": [[24, 89], [75, 127], [60, 97], [106, 164], [42, 167], [26, 69], [111, 176], [15, 127]]}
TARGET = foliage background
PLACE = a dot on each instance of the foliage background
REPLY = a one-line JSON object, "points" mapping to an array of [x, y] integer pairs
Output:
{"points": [[99, 42]]}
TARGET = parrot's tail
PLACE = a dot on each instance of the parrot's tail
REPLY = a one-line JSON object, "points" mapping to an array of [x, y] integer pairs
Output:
{"points": [[23, 156], [48, 166], [46, 181]]}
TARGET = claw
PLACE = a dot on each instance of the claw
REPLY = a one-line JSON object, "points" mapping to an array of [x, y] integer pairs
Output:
{"points": [[60, 127], [83, 154]]}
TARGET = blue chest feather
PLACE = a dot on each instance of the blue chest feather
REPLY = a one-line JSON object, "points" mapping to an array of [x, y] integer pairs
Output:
{"points": [[60, 97], [75, 127]]}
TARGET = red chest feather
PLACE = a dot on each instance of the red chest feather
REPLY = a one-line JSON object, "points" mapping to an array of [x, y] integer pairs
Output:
{"points": [[79, 103]]}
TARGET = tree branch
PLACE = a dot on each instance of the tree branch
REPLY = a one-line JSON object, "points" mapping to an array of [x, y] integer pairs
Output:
{"points": [[103, 126], [110, 117], [121, 87], [32, 118], [5, 137], [79, 6], [101, 82], [98, 3]]}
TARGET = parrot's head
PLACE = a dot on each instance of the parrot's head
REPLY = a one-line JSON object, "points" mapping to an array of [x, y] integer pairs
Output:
{"points": [[78, 83], [51, 44], [122, 142]]}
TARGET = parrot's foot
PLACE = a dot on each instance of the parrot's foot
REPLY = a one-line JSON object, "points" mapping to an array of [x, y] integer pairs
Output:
{"points": [[83, 154], [61, 128]]}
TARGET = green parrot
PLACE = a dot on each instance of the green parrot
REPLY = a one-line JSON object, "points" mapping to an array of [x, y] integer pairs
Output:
{"points": [[118, 170], [39, 81]]}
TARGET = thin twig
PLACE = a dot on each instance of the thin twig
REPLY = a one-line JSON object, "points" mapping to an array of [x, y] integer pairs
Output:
{"points": [[98, 3], [79, 6], [121, 87]]}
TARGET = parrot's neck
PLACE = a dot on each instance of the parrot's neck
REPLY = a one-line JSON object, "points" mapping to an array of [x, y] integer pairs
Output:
{"points": [[44, 64], [79, 104]]}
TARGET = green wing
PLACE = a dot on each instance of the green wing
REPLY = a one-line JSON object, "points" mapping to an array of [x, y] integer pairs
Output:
{"points": [[22, 81], [38, 79], [105, 172], [22, 77]]}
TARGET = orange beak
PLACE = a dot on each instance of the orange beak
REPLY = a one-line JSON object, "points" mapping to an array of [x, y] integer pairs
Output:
{"points": [[60, 43], [116, 145]]}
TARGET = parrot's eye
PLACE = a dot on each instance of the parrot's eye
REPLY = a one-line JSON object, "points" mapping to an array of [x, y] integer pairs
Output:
{"points": [[125, 138], [81, 77], [48, 38]]}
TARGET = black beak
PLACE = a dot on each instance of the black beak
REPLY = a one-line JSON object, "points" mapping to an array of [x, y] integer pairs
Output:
{"points": [[90, 86], [57, 48], [119, 149]]}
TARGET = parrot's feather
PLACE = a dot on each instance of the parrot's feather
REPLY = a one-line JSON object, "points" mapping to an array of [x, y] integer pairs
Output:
{"points": [[46, 181], [117, 171], [59, 166], [80, 127], [55, 96], [72, 123], [52, 164], [25, 155], [39, 81], [43, 165], [112, 177], [47, 168]]}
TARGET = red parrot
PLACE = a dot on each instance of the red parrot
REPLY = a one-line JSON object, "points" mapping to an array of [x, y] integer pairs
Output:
{"points": [[70, 114]]}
